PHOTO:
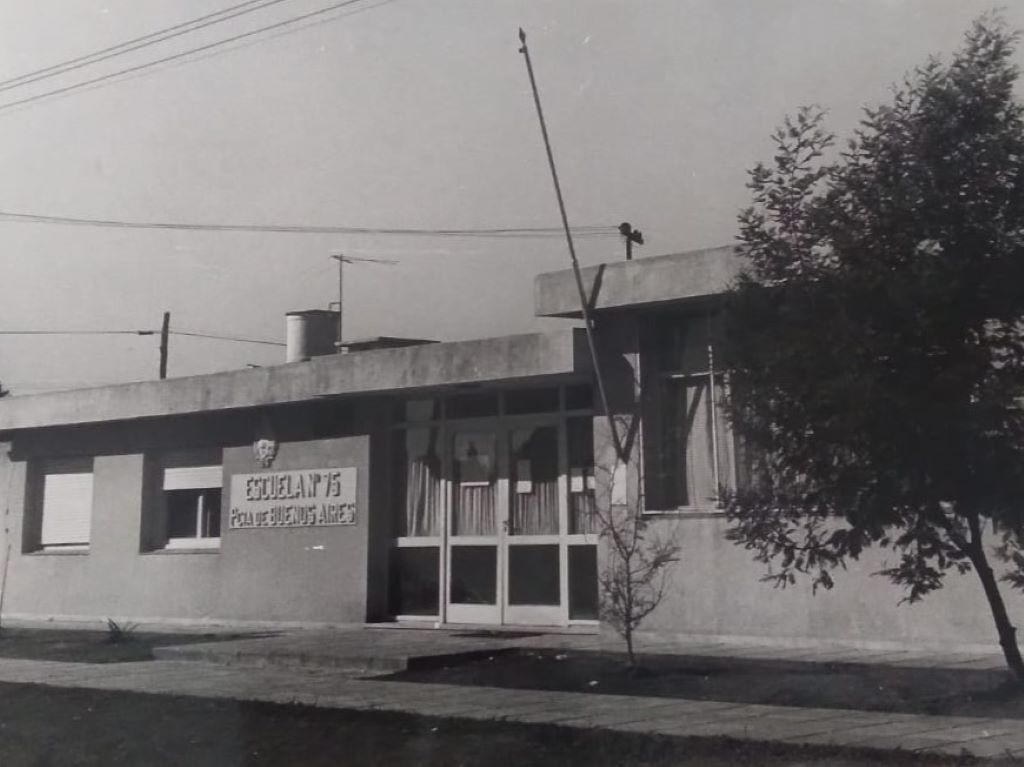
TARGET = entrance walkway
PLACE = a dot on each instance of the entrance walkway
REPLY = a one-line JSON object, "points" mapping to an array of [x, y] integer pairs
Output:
{"points": [[330, 688]]}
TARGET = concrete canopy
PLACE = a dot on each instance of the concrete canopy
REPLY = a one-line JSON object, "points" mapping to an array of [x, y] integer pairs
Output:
{"points": [[642, 282], [489, 360]]}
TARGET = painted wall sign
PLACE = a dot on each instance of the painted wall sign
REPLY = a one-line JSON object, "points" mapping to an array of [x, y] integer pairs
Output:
{"points": [[306, 498]]}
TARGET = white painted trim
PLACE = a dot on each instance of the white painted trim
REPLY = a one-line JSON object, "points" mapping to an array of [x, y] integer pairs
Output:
{"points": [[192, 543], [193, 477]]}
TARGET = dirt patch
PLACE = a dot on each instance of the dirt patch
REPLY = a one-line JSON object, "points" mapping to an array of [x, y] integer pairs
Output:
{"points": [[51, 726], [783, 683], [79, 646]]}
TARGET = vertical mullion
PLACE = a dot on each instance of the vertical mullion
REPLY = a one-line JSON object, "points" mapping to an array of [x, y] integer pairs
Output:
{"points": [[563, 513], [447, 498], [503, 488]]}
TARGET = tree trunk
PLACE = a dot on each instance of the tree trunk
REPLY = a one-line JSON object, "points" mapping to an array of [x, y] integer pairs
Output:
{"points": [[1006, 630], [628, 624]]}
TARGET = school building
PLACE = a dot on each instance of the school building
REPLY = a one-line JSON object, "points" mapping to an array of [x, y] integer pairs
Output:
{"points": [[426, 483]]}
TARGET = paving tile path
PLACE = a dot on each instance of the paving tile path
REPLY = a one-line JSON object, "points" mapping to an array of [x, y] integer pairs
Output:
{"points": [[332, 688], [390, 649]]}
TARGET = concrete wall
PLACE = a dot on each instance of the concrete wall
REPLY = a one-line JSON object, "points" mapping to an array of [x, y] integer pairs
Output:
{"points": [[293, 575], [716, 591], [716, 588]]}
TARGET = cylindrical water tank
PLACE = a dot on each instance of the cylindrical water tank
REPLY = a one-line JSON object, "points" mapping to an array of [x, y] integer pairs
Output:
{"points": [[310, 333]]}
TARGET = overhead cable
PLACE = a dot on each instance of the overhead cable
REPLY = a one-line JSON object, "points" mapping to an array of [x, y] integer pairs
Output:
{"points": [[176, 56], [78, 332], [495, 232], [194, 334], [137, 43], [217, 337]]}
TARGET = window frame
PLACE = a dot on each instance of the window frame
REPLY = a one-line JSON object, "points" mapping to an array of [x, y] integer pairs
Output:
{"points": [[33, 535], [195, 470], [199, 541], [439, 416], [665, 375]]}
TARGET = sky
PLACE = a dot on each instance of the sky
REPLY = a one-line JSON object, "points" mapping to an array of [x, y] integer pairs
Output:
{"points": [[392, 114]]}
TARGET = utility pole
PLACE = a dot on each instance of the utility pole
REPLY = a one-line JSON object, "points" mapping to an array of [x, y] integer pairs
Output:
{"points": [[165, 331], [632, 236], [342, 260], [588, 322]]}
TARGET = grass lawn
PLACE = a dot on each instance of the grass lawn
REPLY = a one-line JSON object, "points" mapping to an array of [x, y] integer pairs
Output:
{"points": [[77, 645], [53, 726], [771, 682]]}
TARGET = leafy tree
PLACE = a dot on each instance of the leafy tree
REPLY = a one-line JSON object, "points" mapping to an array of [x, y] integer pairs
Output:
{"points": [[877, 338]]}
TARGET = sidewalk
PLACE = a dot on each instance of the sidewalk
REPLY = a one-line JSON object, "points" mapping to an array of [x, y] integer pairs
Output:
{"points": [[392, 649], [331, 688]]}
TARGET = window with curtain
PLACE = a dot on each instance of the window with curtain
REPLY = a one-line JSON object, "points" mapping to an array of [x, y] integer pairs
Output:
{"points": [[534, 467], [581, 475], [475, 466], [688, 450], [418, 475]]}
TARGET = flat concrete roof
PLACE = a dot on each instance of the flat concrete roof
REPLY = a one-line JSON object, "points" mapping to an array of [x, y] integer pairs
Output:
{"points": [[485, 360], [641, 282]]}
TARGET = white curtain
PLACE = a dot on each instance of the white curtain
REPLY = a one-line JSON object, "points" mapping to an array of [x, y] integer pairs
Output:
{"points": [[534, 468], [422, 483], [474, 510], [582, 518], [696, 445], [476, 475], [536, 513]]}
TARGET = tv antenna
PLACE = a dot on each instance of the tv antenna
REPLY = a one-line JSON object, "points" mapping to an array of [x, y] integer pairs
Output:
{"points": [[342, 260]]}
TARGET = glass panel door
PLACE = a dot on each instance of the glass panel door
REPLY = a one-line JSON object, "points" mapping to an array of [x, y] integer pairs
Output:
{"points": [[476, 513], [534, 551]]}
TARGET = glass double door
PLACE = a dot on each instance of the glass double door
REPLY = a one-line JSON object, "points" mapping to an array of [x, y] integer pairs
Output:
{"points": [[506, 522]]}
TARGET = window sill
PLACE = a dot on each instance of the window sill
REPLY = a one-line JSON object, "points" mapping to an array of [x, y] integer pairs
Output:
{"points": [[60, 551], [190, 546], [698, 512]]}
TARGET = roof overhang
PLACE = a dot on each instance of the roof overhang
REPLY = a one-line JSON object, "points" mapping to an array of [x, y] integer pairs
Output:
{"points": [[652, 281], [482, 361]]}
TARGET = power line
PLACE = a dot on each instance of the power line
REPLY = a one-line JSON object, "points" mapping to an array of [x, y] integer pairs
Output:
{"points": [[137, 43], [176, 56], [226, 338], [497, 232], [194, 334], [77, 332]]}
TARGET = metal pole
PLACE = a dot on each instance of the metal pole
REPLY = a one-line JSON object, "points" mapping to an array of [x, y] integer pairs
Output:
{"points": [[587, 319], [341, 296], [165, 329]]}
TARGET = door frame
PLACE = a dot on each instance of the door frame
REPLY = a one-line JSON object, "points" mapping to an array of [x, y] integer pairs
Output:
{"points": [[455, 612], [504, 613], [539, 615]]}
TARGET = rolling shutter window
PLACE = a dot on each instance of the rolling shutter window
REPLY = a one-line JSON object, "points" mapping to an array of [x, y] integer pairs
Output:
{"points": [[192, 477], [67, 507]]}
